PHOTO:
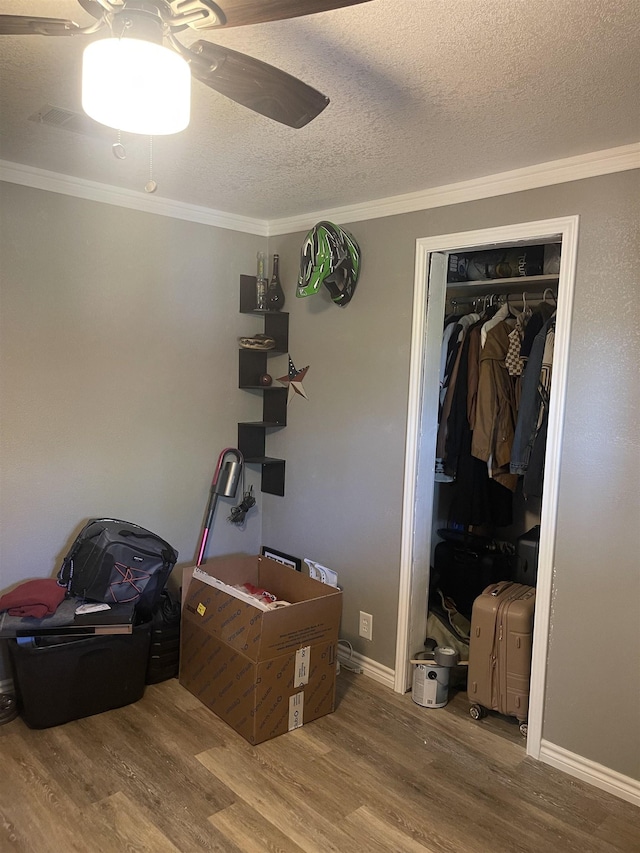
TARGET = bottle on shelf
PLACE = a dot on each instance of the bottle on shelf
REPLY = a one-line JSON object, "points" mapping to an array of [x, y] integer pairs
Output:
{"points": [[275, 293], [261, 284]]}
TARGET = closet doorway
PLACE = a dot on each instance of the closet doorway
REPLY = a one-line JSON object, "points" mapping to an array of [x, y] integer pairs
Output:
{"points": [[430, 295]]}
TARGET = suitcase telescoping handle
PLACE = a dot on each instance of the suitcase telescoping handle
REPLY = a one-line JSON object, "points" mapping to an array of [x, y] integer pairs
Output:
{"points": [[498, 588]]}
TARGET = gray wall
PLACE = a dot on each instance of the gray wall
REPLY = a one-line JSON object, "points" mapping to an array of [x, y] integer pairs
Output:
{"points": [[344, 449], [118, 375], [119, 389]]}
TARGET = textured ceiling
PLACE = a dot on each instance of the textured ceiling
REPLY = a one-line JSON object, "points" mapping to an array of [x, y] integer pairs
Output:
{"points": [[423, 93]]}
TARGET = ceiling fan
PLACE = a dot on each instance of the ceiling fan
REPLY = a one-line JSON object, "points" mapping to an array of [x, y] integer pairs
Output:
{"points": [[250, 82]]}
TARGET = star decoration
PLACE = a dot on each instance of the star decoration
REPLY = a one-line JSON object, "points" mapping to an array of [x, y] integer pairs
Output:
{"points": [[294, 380]]}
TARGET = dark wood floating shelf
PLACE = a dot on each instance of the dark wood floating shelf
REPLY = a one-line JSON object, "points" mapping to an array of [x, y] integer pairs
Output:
{"points": [[252, 364], [262, 424], [261, 387]]}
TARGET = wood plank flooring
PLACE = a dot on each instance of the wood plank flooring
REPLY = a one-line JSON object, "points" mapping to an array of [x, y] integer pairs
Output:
{"points": [[380, 775]]}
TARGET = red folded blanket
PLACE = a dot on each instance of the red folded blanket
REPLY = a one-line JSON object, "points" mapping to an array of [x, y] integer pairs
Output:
{"points": [[37, 598]]}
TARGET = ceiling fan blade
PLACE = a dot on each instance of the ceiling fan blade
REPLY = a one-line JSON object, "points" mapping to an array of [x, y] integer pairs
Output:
{"points": [[254, 84], [21, 25], [94, 8], [240, 13]]}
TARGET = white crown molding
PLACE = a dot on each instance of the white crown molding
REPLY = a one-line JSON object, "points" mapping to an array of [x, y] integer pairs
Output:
{"points": [[576, 168], [29, 176], [590, 771], [590, 165]]}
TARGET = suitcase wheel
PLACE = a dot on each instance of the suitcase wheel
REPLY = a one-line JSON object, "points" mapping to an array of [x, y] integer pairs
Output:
{"points": [[524, 729], [477, 712]]}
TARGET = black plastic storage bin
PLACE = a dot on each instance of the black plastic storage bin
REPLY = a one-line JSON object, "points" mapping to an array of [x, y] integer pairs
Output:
{"points": [[164, 652], [164, 655], [63, 678]]}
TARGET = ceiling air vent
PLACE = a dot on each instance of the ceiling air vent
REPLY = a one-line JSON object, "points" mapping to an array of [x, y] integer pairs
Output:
{"points": [[68, 120]]}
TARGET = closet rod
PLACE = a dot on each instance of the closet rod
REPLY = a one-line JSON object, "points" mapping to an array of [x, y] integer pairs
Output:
{"points": [[501, 298]]}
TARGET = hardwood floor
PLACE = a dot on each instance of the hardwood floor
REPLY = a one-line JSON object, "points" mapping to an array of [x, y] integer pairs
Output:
{"points": [[380, 775]]}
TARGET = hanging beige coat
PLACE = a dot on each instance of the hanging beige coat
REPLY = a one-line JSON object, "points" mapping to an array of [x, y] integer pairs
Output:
{"points": [[496, 409]]}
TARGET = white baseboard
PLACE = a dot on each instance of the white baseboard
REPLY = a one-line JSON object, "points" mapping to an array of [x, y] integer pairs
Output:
{"points": [[590, 771], [371, 668]]}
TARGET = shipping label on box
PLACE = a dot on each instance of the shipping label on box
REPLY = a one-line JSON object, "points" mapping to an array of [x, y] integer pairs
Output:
{"points": [[296, 711], [302, 666]]}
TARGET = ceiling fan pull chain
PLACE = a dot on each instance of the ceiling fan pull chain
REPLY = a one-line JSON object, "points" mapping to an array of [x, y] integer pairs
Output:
{"points": [[150, 186], [118, 148]]}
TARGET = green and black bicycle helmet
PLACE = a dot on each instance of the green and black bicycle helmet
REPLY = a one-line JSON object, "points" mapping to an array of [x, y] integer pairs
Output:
{"points": [[330, 256]]}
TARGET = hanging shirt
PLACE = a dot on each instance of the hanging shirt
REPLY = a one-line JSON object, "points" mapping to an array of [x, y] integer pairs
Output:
{"points": [[513, 359], [449, 331], [544, 388], [501, 314]]}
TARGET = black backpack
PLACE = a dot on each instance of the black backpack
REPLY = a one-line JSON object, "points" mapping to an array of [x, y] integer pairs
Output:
{"points": [[118, 562]]}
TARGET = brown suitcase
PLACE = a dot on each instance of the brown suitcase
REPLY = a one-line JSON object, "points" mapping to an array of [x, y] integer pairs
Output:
{"points": [[500, 651]]}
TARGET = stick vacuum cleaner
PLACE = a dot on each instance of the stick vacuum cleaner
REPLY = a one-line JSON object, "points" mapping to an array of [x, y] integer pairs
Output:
{"points": [[225, 482]]}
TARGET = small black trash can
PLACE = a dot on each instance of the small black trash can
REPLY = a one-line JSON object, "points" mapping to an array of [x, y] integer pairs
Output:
{"points": [[62, 678]]}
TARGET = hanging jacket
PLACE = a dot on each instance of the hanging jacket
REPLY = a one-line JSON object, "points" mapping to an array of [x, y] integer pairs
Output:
{"points": [[530, 413], [473, 373], [495, 407], [463, 325], [457, 421], [539, 316], [533, 479]]}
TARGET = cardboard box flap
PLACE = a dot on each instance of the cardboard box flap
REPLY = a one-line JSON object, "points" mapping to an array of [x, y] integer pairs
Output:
{"points": [[267, 574], [230, 569], [220, 615], [290, 586], [312, 616]]}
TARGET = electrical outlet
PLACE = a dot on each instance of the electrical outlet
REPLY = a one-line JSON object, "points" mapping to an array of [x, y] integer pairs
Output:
{"points": [[366, 625]]}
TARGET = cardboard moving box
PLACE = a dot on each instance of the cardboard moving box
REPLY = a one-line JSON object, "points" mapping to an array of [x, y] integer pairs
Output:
{"points": [[264, 672]]}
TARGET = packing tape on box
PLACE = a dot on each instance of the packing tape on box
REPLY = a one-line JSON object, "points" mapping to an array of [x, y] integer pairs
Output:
{"points": [[445, 656]]}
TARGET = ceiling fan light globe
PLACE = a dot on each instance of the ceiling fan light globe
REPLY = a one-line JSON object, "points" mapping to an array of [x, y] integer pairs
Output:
{"points": [[136, 86]]}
